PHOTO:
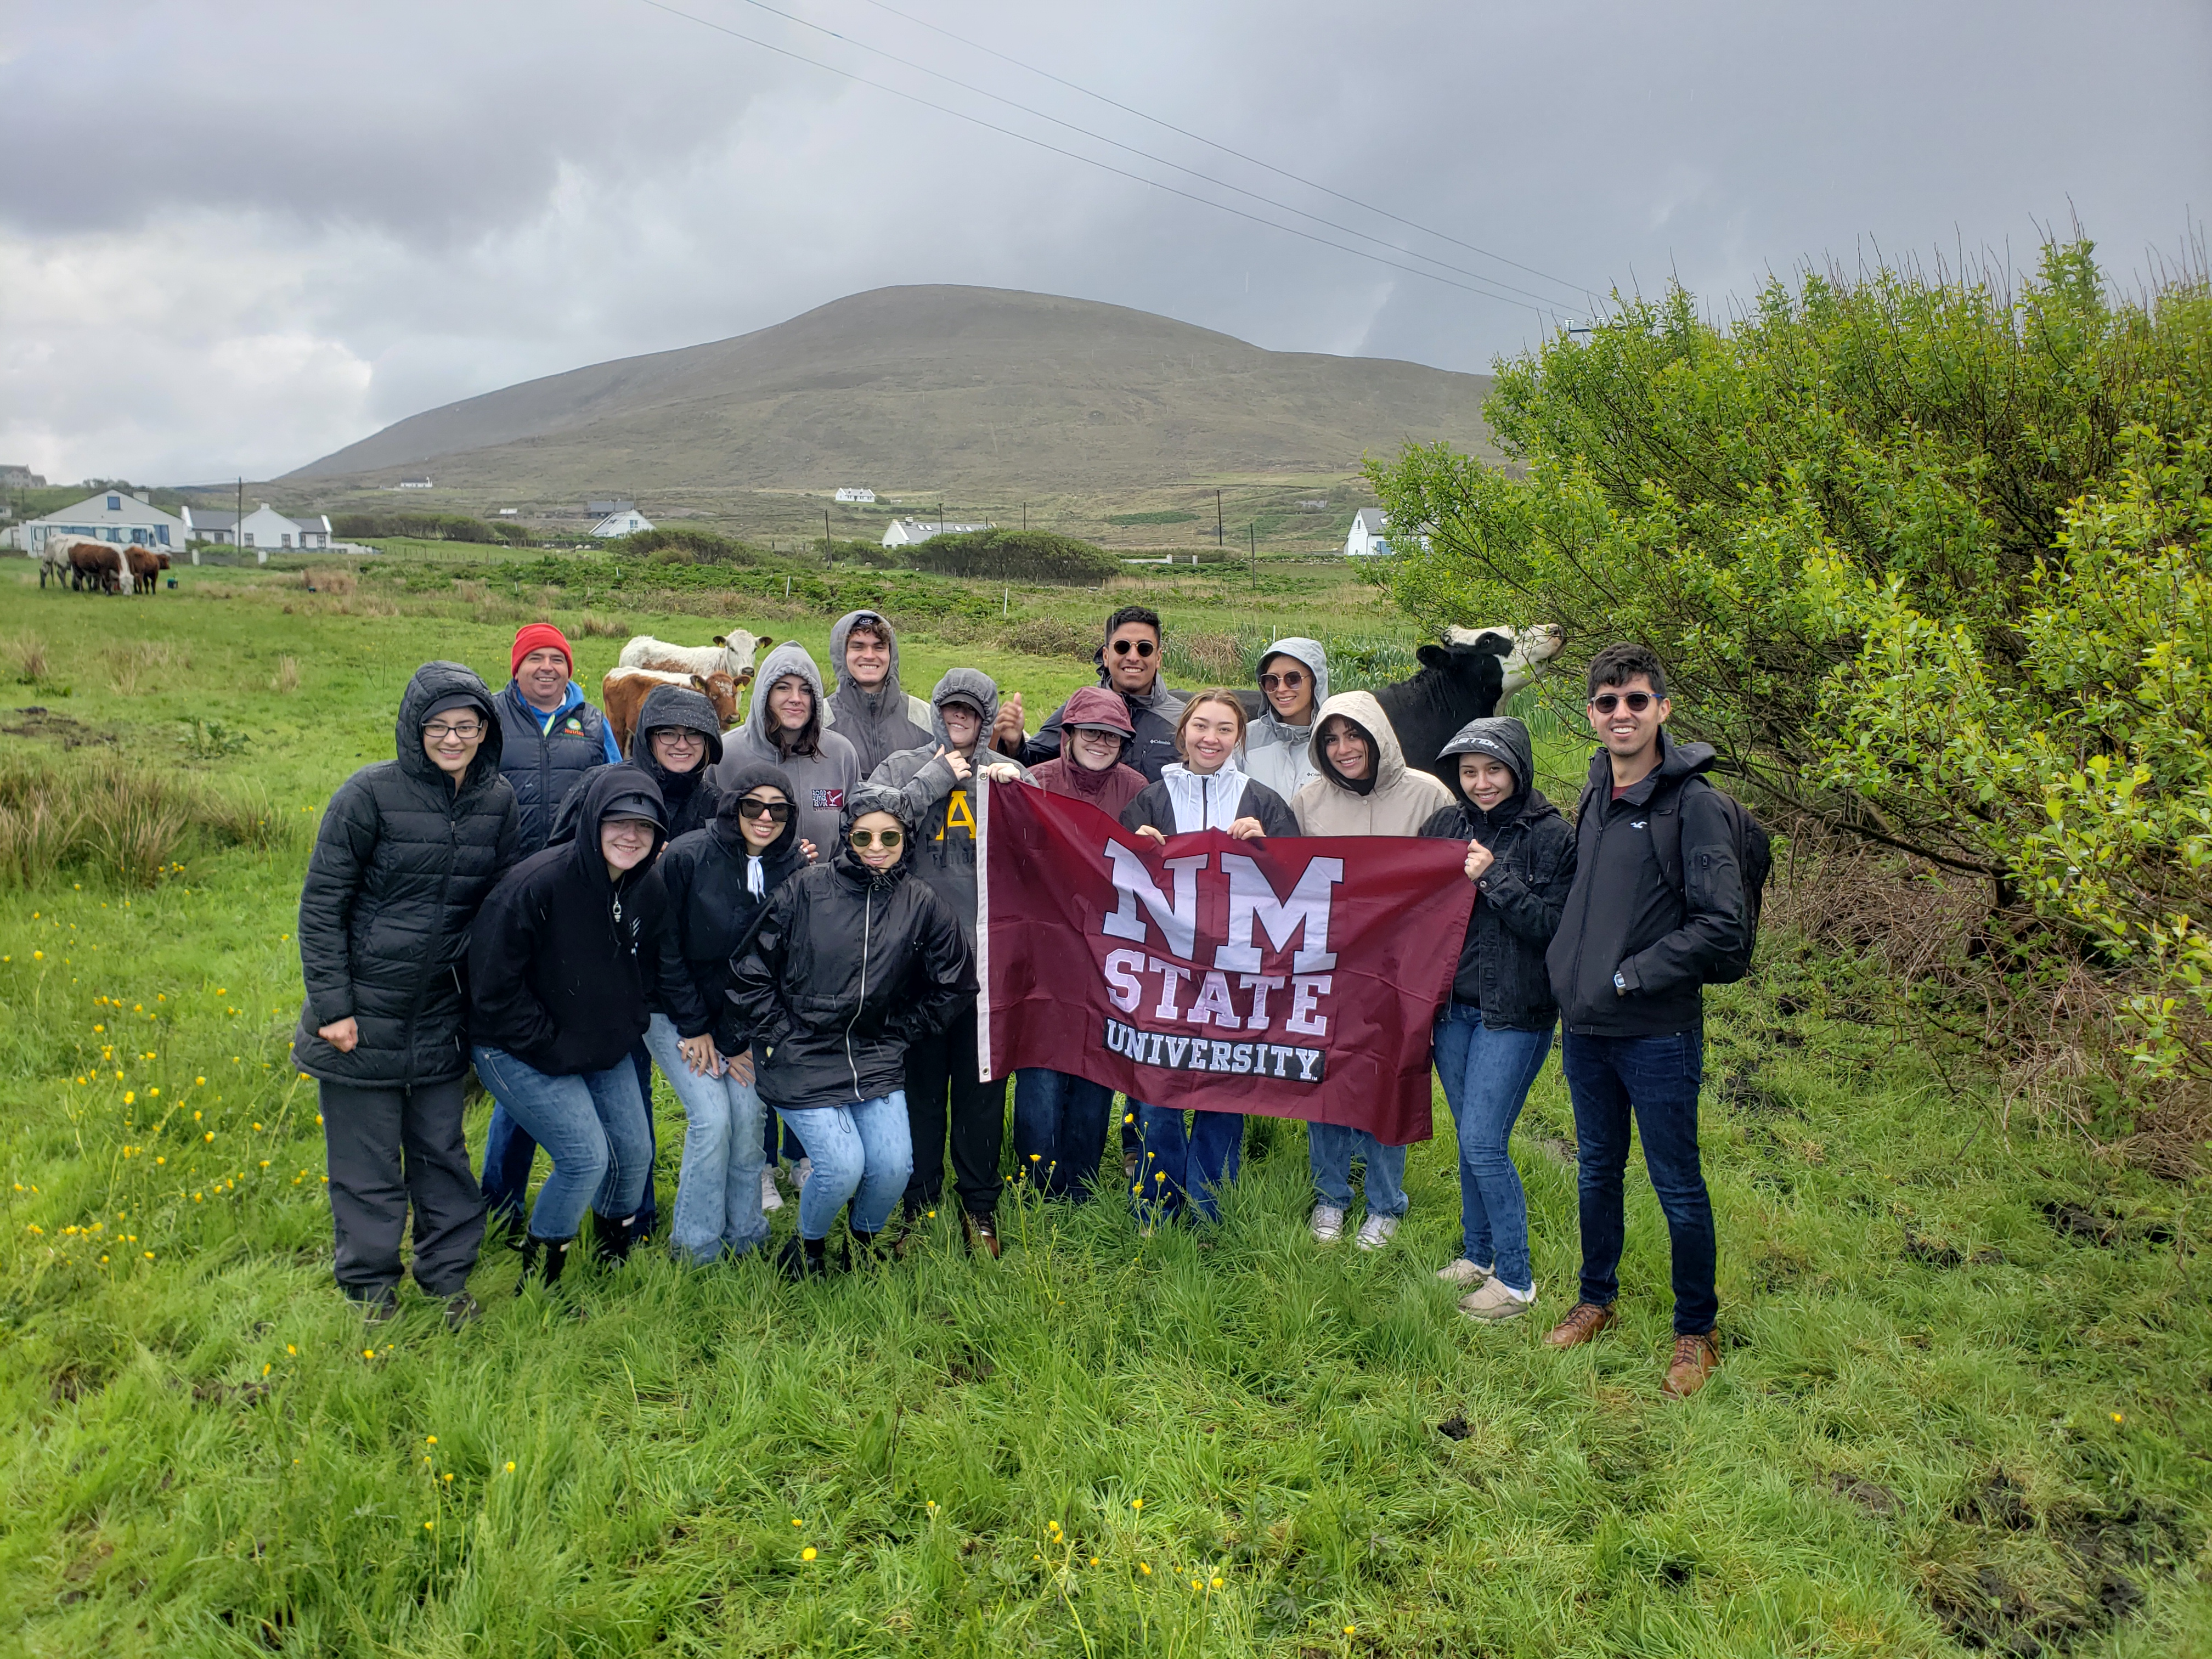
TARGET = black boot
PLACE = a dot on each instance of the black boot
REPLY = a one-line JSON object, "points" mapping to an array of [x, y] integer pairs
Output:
{"points": [[611, 1241], [804, 1258], [545, 1257]]}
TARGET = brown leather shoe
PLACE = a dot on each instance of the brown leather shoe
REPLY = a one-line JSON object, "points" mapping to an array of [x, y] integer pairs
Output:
{"points": [[982, 1236], [1587, 1320], [1696, 1359]]}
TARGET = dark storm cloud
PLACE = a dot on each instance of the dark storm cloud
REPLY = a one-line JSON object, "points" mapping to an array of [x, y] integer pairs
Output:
{"points": [[359, 212]]}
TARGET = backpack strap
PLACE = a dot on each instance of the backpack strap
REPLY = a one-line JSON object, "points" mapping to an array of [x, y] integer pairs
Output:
{"points": [[1666, 831]]}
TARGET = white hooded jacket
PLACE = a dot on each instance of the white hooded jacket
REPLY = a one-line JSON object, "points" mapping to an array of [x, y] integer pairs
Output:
{"points": [[1277, 755]]}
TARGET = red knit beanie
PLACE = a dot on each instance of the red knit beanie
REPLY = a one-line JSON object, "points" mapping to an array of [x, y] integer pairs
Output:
{"points": [[535, 636]]}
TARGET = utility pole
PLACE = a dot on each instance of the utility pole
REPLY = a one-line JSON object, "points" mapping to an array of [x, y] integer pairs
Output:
{"points": [[238, 535], [1217, 518], [829, 554], [1252, 537], [1025, 518]]}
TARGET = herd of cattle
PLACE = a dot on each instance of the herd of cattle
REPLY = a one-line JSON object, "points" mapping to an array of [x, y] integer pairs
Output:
{"points": [[1464, 678], [99, 567]]}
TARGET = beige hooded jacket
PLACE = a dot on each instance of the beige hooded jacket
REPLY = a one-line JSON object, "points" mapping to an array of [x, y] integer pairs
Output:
{"points": [[1400, 801]]}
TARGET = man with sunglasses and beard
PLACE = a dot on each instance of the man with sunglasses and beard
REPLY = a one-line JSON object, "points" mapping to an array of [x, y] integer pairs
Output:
{"points": [[1129, 663], [1628, 966]]}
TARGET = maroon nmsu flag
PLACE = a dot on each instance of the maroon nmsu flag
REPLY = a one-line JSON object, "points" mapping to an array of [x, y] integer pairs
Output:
{"points": [[1292, 977]]}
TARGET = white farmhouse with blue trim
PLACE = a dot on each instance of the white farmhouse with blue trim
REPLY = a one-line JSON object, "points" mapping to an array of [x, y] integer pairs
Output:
{"points": [[113, 515], [1365, 541]]}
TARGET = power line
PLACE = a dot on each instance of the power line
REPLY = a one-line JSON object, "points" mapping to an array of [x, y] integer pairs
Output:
{"points": [[1162, 161], [1486, 292], [1212, 143]]}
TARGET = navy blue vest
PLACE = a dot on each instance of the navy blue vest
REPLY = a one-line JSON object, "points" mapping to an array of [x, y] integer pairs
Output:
{"points": [[544, 766]]}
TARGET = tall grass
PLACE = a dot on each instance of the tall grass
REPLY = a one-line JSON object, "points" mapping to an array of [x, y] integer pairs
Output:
{"points": [[27, 655], [137, 666], [121, 823]]}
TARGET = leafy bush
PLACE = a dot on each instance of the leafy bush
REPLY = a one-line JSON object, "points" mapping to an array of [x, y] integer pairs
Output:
{"points": [[426, 526], [1027, 556], [1166, 517], [1929, 564], [702, 547]]}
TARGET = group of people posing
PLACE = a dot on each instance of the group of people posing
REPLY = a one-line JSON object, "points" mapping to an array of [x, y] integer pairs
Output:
{"points": [[781, 919]]}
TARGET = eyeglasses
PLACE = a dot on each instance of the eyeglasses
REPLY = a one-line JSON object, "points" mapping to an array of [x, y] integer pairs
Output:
{"points": [[1290, 681], [776, 811], [466, 731], [681, 737], [1606, 702], [886, 839], [1142, 647]]}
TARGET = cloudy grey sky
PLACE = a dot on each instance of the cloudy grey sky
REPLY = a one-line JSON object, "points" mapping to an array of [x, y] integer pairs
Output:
{"points": [[234, 236]]}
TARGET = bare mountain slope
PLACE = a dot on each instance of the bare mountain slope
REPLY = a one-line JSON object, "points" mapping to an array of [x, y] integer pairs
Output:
{"points": [[927, 386]]}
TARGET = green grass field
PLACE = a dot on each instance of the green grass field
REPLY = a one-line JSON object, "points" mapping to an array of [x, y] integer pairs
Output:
{"points": [[1965, 1404]]}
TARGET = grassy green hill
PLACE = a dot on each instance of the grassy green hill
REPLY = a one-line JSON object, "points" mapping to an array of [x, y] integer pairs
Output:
{"points": [[984, 392]]}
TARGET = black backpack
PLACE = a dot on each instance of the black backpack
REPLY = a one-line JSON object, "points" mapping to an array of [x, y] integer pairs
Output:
{"points": [[1754, 860]]}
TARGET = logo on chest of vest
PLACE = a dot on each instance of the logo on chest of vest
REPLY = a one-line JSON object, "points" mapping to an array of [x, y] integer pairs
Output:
{"points": [[574, 728], [829, 801]]}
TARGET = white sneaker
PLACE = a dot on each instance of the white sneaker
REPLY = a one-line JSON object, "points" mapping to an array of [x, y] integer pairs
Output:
{"points": [[1374, 1232], [1463, 1271], [1327, 1223], [1496, 1300], [770, 1198], [799, 1171]]}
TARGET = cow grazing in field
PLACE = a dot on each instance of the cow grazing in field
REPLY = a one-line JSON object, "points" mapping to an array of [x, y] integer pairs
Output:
{"points": [[101, 567], [624, 691], [1459, 682], [146, 567], [732, 654]]}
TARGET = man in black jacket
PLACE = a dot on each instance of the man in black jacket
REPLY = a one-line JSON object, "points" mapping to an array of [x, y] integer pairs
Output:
{"points": [[1628, 966], [407, 850]]}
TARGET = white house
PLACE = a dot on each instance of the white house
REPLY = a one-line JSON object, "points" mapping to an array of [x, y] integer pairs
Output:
{"points": [[113, 515], [1365, 540], [420, 481], [850, 493], [905, 533], [622, 523], [265, 529]]}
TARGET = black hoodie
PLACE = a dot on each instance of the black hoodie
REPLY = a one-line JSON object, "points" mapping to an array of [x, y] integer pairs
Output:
{"points": [[1501, 962], [688, 797], [562, 957], [712, 908], [1623, 917], [847, 967], [400, 864]]}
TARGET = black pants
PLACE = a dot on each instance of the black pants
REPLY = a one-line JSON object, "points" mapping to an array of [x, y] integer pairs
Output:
{"points": [[393, 1150], [939, 1068]]}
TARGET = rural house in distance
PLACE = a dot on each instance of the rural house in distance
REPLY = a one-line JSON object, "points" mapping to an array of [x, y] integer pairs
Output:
{"points": [[851, 493], [1365, 540], [264, 529], [621, 518], [905, 533], [111, 515]]}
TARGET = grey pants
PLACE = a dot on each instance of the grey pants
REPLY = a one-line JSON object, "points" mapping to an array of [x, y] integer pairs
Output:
{"points": [[392, 1148]]}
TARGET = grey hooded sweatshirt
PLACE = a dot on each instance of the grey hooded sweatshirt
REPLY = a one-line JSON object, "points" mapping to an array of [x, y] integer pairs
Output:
{"points": [[821, 775], [1275, 754], [942, 809], [881, 722]]}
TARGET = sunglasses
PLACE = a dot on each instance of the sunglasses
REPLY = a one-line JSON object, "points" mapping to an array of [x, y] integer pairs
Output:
{"points": [[1142, 647], [776, 811], [1606, 702], [1286, 682], [467, 732], [886, 839]]}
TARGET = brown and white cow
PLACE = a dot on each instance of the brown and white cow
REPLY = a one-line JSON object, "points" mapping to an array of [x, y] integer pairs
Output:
{"points": [[624, 691], [732, 654], [102, 567]]}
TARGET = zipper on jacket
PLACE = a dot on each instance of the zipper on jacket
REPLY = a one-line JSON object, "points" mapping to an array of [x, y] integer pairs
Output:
{"points": [[867, 917]]}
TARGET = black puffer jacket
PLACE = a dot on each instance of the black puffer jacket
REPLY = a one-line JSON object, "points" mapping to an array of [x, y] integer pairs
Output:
{"points": [[544, 755], [561, 958], [848, 966], [1501, 962], [712, 908], [400, 865]]}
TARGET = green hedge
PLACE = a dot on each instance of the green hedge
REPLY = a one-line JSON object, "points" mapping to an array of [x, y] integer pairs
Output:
{"points": [[426, 526], [684, 544], [1032, 555]]}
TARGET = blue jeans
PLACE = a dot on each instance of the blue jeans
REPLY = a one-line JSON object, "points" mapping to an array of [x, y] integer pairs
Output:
{"points": [[1178, 1170], [594, 1127], [1656, 1078], [1330, 1148], [718, 1192], [1487, 1076], [864, 1153], [1060, 1131], [509, 1152]]}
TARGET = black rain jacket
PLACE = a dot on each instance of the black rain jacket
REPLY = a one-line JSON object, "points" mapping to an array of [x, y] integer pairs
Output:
{"points": [[689, 797], [848, 966], [561, 958], [399, 866], [1623, 917], [712, 910], [1501, 961]]}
